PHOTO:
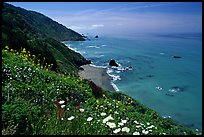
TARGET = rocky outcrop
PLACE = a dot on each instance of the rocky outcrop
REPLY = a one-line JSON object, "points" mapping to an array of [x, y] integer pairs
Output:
{"points": [[176, 56], [113, 63]]}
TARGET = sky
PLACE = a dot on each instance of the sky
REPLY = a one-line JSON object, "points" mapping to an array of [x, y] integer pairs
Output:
{"points": [[121, 18]]}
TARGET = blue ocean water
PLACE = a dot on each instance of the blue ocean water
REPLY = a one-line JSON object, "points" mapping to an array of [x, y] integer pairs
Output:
{"points": [[148, 72]]}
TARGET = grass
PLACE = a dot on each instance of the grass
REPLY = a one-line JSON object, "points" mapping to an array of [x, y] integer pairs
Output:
{"points": [[30, 92]]}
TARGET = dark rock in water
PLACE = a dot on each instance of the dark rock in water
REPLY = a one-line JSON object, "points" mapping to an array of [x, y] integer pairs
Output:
{"points": [[80, 68], [113, 63], [150, 76], [169, 94], [96, 36], [176, 56]]}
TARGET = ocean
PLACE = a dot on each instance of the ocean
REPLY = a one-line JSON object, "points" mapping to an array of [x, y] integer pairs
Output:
{"points": [[148, 72]]}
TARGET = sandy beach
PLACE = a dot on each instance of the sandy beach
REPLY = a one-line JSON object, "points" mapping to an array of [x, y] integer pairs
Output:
{"points": [[97, 75]]}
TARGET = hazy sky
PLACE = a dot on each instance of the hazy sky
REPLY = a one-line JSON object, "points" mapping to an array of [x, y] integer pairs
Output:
{"points": [[122, 17]]}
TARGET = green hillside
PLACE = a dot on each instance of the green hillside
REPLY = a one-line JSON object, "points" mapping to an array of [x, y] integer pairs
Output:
{"points": [[30, 93], [40, 35]]}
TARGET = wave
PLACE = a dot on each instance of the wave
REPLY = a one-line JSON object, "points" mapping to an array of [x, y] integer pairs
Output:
{"points": [[97, 66], [166, 116], [100, 56], [93, 47], [114, 86], [103, 45], [75, 49]]}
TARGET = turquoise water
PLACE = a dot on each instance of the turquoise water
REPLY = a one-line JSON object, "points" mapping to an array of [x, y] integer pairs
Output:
{"points": [[171, 86]]}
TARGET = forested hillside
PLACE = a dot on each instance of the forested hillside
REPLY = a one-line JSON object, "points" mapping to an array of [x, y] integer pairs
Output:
{"points": [[41, 36]]}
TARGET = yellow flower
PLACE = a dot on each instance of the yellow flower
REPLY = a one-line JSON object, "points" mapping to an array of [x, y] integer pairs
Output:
{"points": [[24, 50], [6, 47], [97, 101]]}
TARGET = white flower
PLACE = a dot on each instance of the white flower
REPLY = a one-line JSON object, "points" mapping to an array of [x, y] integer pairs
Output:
{"points": [[138, 126], [120, 124], [125, 129], [136, 133], [67, 108], [62, 106], [107, 119], [111, 125], [116, 112], [62, 118], [124, 121], [70, 118], [148, 123], [117, 130], [145, 132], [81, 110], [103, 114], [136, 122], [150, 126], [61, 102], [89, 118], [164, 133]]}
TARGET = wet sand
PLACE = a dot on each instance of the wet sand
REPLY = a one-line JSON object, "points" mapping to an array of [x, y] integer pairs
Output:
{"points": [[97, 75]]}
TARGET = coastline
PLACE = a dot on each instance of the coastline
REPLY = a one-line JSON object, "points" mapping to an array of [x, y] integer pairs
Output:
{"points": [[98, 75]]}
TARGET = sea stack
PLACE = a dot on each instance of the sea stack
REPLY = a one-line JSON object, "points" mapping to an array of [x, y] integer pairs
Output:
{"points": [[113, 63]]}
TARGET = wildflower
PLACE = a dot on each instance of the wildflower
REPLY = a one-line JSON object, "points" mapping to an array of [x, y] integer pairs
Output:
{"points": [[164, 133], [61, 102], [62, 106], [126, 129], [124, 121], [150, 126], [116, 130], [111, 125], [107, 119], [120, 124], [116, 112], [89, 118], [67, 108], [145, 132], [135, 122], [62, 118], [70, 118], [136, 133], [138, 126], [103, 114], [81, 110], [148, 123]]}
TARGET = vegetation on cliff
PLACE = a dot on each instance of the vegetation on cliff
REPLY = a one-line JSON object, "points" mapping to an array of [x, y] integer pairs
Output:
{"points": [[38, 101], [40, 35]]}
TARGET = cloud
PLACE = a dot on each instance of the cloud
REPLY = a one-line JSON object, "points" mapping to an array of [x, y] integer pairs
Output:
{"points": [[97, 25]]}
